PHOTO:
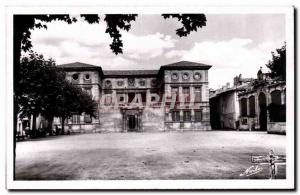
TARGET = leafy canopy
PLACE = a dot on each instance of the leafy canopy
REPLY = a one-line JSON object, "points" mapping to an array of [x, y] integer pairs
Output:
{"points": [[114, 24], [43, 90], [278, 63]]}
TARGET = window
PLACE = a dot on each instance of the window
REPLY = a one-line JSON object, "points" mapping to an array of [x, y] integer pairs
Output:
{"points": [[185, 76], [75, 77], [252, 106], [174, 91], [186, 93], [198, 94], [186, 115], [244, 107], [87, 77], [174, 76], [198, 115], [87, 118], [76, 119], [175, 116], [88, 91], [121, 98], [197, 76], [144, 95], [131, 97], [108, 97]]}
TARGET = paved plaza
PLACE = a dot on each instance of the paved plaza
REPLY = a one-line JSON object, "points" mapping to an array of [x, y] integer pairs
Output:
{"points": [[161, 155]]}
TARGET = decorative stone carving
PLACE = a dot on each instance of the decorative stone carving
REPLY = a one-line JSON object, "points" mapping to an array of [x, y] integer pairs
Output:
{"points": [[131, 82], [120, 83], [154, 82], [108, 84], [142, 82]]}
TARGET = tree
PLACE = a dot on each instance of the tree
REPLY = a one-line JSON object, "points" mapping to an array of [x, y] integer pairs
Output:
{"points": [[74, 101], [278, 63], [35, 83], [43, 90]]}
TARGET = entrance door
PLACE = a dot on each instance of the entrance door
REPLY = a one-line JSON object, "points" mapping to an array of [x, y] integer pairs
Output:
{"points": [[132, 123], [263, 112]]}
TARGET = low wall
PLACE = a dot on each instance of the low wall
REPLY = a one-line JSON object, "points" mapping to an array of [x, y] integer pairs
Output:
{"points": [[187, 126], [277, 127]]}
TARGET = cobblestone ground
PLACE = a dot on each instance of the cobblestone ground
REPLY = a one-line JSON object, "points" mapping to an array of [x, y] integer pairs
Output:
{"points": [[165, 155]]}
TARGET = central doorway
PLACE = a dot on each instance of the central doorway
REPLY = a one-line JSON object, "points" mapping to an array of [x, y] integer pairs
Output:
{"points": [[132, 120], [132, 123]]}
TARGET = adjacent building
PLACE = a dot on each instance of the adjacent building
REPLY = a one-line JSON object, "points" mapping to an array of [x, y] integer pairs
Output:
{"points": [[263, 105], [250, 104], [224, 104]]}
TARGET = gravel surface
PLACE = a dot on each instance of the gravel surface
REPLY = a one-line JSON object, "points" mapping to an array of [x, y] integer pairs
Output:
{"points": [[163, 155]]}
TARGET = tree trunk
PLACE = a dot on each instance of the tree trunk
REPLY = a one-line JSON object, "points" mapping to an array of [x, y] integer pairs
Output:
{"points": [[17, 37], [49, 127], [63, 125], [34, 125]]}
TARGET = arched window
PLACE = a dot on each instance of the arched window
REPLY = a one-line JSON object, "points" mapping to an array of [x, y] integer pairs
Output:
{"points": [[252, 106], [243, 107]]}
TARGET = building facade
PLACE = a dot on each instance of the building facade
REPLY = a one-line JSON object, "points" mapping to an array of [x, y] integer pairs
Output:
{"points": [[250, 104], [224, 104], [175, 97], [263, 107]]}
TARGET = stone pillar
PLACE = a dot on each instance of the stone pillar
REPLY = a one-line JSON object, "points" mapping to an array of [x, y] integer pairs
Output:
{"points": [[141, 120], [257, 109], [282, 97], [248, 108], [192, 115], [180, 93], [268, 98], [192, 97]]}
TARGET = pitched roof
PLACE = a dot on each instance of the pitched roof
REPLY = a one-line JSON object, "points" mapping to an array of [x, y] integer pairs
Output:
{"points": [[79, 66], [130, 72], [186, 65]]}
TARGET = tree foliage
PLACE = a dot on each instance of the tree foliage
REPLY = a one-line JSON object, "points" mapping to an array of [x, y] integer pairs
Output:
{"points": [[114, 24], [278, 63], [190, 22], [43, 90]]}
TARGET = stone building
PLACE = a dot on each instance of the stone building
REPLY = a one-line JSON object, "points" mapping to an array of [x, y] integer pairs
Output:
{"points": [[250, 104], [175, 97], [224, 104], [263, 105]]}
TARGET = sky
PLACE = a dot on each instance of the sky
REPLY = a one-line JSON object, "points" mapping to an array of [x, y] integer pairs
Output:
{"points": [[233, 44]]}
